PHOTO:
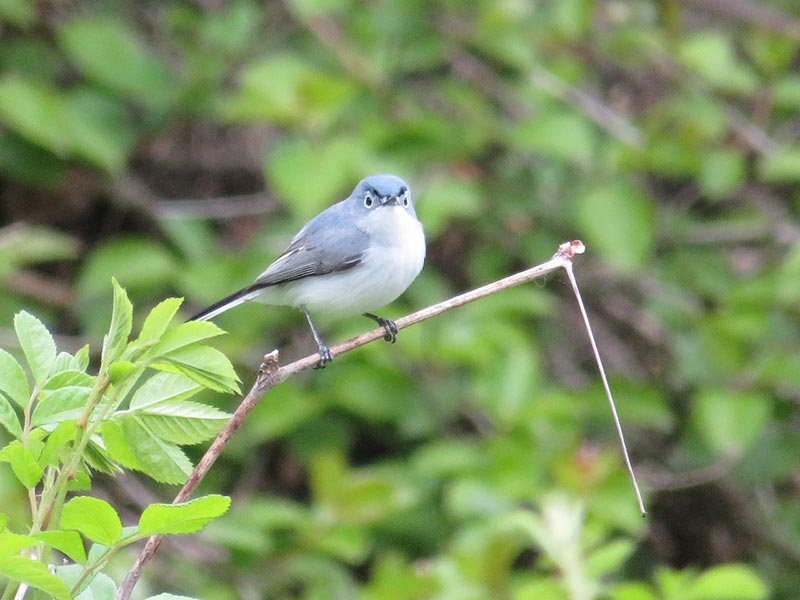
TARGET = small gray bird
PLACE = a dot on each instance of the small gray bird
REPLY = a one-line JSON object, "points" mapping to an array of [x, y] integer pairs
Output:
{"points": [[354, 257]]}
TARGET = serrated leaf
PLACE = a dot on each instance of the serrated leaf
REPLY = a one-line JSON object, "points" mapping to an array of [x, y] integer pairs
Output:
{"points": [[82, 357], [13, 381], [96, 519], [69, 377], [60, 405], [23, 462], [162, 461], [188, 517], [68, 543], [184, 335], [58, 443], [121, 324], [37, 344], [203, 364], [98, 458], [35, 574], [64, 361], [182, 422], [117, 444], [164, 387], [9, 418], [157, 321]]}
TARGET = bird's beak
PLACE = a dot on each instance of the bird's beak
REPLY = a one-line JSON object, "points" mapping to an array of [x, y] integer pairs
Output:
{"points": [[390, 201]]}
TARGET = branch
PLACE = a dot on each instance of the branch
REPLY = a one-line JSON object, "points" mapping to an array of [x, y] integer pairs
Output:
{"points": [[271, 374]]}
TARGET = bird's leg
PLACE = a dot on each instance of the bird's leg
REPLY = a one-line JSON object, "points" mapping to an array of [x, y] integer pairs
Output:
{"points": [[325, 355], [389, 326]]}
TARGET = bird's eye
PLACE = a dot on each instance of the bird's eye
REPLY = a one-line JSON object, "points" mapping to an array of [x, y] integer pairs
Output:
{"points": [[405, 199], [368, 201]]}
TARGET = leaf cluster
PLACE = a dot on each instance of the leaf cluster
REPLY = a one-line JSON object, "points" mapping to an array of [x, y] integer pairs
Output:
{"points": [[67, 424]]}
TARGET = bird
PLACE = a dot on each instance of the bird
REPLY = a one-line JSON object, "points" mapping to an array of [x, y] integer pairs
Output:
{"points": [[354, 257]]}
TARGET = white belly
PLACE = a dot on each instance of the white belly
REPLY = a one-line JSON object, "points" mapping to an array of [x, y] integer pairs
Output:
{"points": [[387, 269]]}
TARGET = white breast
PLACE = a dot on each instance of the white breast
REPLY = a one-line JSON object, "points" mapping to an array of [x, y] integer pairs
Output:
{"points": [[389, 266]]}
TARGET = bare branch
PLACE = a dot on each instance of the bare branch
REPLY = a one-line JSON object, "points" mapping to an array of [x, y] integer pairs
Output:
{"points": [[270, 374]]}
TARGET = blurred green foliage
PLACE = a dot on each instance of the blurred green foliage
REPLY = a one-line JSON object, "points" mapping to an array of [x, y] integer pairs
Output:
{"points": [[476, 457]]}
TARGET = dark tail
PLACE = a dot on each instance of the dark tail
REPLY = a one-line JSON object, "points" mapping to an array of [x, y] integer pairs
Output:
{"points": [[227, 302]]}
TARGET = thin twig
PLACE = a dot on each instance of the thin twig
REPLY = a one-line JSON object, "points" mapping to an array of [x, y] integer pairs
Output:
{"points": [[270, 374], [573, 282]]}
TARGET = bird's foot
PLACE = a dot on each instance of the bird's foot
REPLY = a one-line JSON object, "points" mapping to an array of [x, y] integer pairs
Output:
{"points": [[325, 357], [389, 326]]}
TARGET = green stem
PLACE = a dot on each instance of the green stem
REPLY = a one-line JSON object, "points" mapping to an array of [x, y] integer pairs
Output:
{"points": [[90, 570], [53, 499]]}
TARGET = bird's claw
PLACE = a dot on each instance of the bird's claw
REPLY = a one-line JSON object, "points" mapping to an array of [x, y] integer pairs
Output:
{"points": [[390, 327], [325, 357]]}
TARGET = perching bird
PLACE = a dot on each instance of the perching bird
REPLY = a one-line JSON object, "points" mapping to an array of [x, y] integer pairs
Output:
{"points": [[354, 257]]}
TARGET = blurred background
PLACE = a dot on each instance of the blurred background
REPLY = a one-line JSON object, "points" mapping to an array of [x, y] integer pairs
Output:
{"points": [[178, 145]]}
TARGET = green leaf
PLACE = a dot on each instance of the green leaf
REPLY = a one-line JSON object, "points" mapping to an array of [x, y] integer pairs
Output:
{"points": [[163, 387], [456, 198], [58, 443], [20, 13], [722, 172], [188, 517], [731, 421], [712, 55], [162, 461], [37, 344], [121, 324], [207, 366], [185, 334], [24, 244], [158, 320], [13, 543], [167, 596], [97, 587], [13, 381], [728, 582], [9, 418], [63, 404], [35, 111], [117, 444], [182, 422], [35, 574], [284, 88], [154, 266], [609, 557], [336, 165], [563, 136], [68, 543], [23, 463], [94, 518], [618, 220], [112, 54], [29, 164], [68, 377], [781, 165], [100, 129]]}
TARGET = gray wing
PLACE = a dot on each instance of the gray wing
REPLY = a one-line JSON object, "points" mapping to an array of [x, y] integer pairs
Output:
{"points": [[323, 246]]}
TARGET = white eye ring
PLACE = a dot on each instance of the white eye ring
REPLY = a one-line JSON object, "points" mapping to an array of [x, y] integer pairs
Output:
{"points": [[368, 201], [405, 199]]}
